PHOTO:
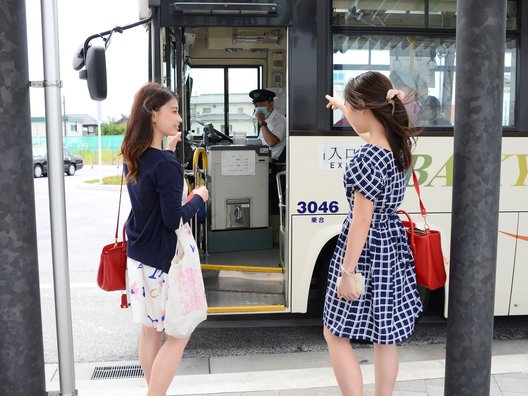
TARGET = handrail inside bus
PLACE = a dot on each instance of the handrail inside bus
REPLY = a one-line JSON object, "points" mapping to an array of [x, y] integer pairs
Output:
{"points": [[281, 200]]}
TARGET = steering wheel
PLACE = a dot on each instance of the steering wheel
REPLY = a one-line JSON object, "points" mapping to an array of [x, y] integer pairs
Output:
{"points": [[211, 131]]}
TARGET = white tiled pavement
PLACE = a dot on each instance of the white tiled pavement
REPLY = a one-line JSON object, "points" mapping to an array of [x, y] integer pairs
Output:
{"points": [[309, 374]]}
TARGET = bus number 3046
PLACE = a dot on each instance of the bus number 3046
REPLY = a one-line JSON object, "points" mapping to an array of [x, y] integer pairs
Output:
{"points": [[314, 207]]}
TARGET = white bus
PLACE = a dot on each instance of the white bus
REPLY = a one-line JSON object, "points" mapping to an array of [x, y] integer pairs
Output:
{"points": [[257, 258]]}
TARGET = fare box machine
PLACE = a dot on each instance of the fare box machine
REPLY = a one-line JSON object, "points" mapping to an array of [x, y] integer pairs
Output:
{"points": [[238, 206]]}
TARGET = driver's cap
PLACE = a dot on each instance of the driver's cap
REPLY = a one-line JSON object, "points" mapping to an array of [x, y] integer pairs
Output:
{"points": [[261, 95]]}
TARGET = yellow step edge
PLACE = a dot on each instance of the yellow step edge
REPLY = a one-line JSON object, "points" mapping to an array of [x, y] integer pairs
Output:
{"points": [[246, 308], [242, 268]]}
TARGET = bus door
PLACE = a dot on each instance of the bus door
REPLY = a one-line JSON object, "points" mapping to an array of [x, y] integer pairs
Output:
{"points": [[214, 58]]}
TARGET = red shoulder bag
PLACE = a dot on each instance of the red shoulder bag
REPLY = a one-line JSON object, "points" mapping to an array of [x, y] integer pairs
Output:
{"points": [[426, 248], [111, 275]]}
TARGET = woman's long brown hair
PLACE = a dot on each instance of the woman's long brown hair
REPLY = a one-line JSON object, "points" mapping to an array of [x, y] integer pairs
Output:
{"points": [[369, 91], [139, 133]]}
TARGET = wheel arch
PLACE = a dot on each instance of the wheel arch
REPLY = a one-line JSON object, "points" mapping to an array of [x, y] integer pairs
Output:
{"points": [[320, 275], [313, 258]]}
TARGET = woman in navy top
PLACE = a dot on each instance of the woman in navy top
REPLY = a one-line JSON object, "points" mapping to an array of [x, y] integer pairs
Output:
{"points": [[373, 240], [156, 188]]}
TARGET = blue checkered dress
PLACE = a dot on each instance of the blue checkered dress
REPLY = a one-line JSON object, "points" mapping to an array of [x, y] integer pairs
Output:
{"points": [[387, 312]]}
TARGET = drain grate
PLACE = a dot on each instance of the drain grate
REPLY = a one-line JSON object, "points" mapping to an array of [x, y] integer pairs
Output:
{"points": [[117, 372]]}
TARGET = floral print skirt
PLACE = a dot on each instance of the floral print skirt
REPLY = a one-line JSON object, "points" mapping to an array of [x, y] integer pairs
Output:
{"points": [[147, 294]]}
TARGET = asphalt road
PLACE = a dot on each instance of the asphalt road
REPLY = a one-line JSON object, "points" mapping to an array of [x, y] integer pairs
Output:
{"points": [[103, 332], [91, 214]]}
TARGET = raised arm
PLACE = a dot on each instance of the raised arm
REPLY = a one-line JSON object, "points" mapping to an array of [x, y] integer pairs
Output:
{"points": [[336, 103]]}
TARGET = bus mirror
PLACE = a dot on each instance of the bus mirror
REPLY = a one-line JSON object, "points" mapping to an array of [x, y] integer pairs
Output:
{"points": [[95, 72], [78, 58]]}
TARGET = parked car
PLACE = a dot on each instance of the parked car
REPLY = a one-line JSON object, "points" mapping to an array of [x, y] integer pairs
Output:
{"points": [[72, 163]]}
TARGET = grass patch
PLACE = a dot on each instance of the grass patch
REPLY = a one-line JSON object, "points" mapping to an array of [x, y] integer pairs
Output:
{"points": [[110, 180], [108, 157]]}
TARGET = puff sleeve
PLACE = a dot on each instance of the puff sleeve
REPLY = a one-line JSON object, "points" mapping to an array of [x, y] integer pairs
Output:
{"points": [[363, 175]]}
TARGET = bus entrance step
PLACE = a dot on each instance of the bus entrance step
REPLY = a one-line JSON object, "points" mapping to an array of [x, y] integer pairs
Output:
{"points": [[237, 288], [239, 302], [243, 279]]}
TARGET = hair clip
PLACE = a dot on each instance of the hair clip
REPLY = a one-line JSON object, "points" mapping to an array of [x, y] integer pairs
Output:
{"points": [[391, 93]]}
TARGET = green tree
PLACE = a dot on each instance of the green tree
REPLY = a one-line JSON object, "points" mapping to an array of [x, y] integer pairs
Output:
{"points": [[112, 129]]}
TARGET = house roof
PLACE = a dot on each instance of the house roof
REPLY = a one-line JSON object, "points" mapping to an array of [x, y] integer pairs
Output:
{"points": [[122, 120], [84, 119], [234, 98]]}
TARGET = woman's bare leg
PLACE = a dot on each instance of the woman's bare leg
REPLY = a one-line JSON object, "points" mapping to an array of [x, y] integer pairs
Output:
{"points": [[386, 368], [346, 368], [165, 365], [149, 345]]}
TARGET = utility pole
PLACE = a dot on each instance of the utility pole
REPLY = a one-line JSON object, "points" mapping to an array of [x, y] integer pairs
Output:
{"points": [[480, 44], [22, 357], [59, 239]]}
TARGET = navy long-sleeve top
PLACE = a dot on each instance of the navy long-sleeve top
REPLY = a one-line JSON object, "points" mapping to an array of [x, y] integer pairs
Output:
{"points": [[156, 199]]}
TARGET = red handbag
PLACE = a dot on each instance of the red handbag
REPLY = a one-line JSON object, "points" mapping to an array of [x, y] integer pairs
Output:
{"points": [[426, 248], [111, 275], [112, 266]]}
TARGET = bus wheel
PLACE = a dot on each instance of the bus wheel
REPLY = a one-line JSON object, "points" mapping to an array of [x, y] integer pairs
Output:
{"points": [[425, 297], [320, 279]]}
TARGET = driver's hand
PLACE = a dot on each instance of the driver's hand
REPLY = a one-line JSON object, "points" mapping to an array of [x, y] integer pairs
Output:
{"points": [[260, 116]]}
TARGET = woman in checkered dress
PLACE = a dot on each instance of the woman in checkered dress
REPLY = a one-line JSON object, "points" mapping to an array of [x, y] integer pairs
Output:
{"points": [[372, 240]]}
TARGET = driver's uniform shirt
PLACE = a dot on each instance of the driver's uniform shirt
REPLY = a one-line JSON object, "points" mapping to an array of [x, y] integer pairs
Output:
{"points": [[277, 125]]}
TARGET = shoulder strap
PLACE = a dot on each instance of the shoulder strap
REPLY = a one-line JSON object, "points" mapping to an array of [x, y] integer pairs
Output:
{"points": [[119, 210], [423, 211]]}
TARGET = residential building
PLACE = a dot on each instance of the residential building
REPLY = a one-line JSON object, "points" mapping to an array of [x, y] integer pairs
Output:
{"points": [[72, 125]]}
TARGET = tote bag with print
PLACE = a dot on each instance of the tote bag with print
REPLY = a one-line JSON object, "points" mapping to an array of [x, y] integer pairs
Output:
{"points": [[186, 304]]}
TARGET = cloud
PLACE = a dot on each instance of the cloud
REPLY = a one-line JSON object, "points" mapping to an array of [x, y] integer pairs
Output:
{"points": [[126, 57]]}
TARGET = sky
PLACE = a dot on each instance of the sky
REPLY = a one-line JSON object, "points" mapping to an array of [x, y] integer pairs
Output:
{"points": [[126, 57]]}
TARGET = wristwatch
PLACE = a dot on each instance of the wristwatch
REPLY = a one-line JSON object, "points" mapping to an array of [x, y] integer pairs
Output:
{"points": [[263, 123]]}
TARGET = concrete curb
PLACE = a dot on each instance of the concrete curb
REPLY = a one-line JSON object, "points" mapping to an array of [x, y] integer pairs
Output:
{"points": [[276, 380]]}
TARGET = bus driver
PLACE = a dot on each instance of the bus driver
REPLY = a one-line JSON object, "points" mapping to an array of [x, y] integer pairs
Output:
{"points": [[271, 124]]}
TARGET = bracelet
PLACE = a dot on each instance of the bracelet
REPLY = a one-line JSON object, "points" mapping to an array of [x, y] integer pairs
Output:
{"points": [[344, 271]]}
